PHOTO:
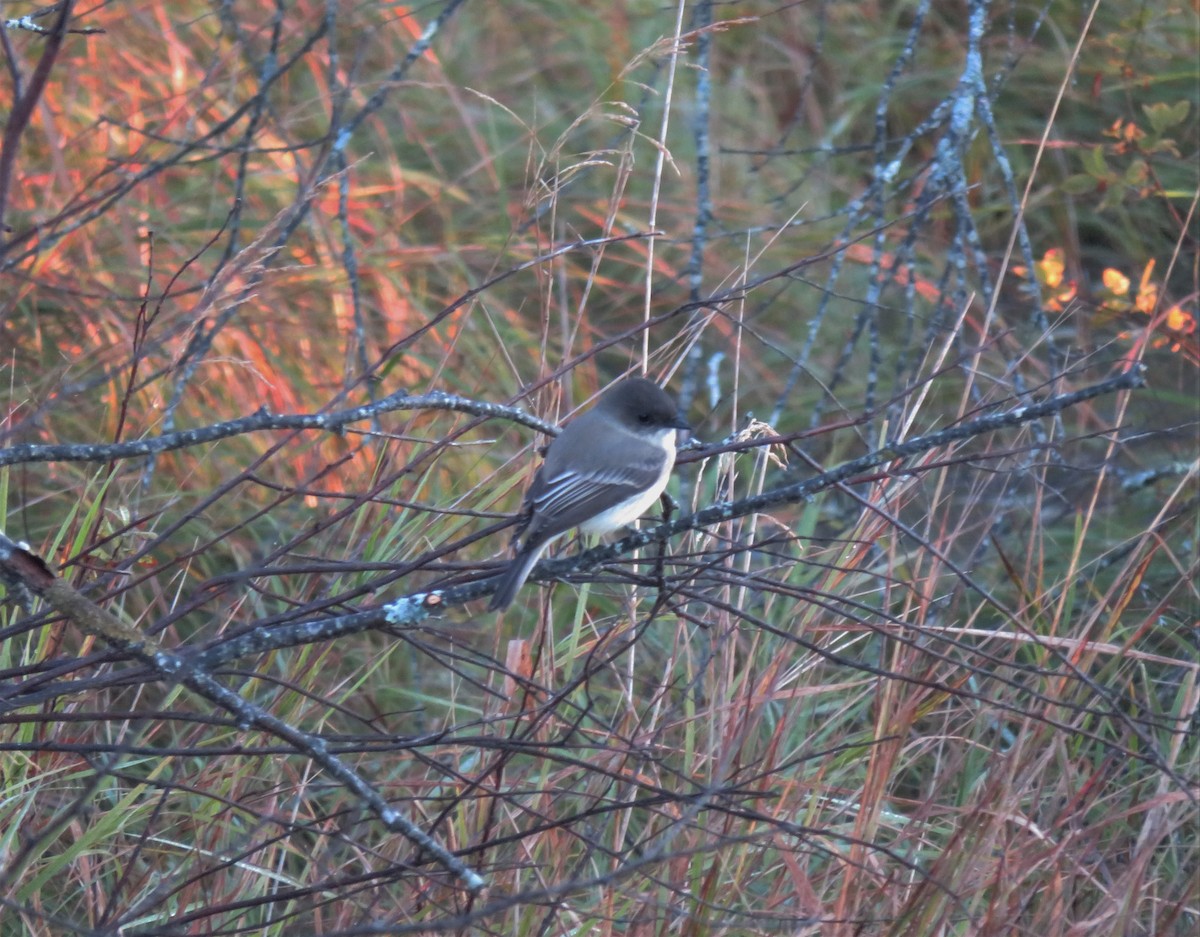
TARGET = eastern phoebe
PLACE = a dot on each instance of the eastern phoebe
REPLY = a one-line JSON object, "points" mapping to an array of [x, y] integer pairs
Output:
{"points": [[602, 472]]}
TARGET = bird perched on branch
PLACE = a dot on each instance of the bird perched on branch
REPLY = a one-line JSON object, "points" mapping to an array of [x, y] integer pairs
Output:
{"points": [[603, 471]]}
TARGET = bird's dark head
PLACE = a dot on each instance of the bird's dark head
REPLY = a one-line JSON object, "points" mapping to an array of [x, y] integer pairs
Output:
{"points": [[641, 404]]}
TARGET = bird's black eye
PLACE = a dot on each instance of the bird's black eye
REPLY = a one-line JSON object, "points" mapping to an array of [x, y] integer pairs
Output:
{"points": [[643, 417]]}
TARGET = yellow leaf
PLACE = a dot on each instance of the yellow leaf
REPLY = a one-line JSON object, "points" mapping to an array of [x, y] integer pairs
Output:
{"points": [[1115, 281], [1180, 321], [1147, 298], [1147, 294], [1052, 267]]}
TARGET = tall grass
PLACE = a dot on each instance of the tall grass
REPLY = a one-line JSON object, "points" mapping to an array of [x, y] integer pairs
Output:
{"points": [[956, 695]]}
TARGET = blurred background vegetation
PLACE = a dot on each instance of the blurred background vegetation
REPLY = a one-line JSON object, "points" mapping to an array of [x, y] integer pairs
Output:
{"points": [[957, 697]]}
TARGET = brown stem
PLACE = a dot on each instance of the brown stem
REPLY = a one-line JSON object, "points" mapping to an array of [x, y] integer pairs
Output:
{"points": [[23, 106]]}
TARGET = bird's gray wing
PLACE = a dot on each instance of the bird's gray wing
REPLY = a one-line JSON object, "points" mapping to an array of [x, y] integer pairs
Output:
{"points": [[562, 498]]}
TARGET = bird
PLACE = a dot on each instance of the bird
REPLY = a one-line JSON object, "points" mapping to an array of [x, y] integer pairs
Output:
{"points": [[603, 471]]}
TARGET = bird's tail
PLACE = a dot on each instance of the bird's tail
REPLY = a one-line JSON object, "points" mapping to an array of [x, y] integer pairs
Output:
{"points": [[511, 580]]}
